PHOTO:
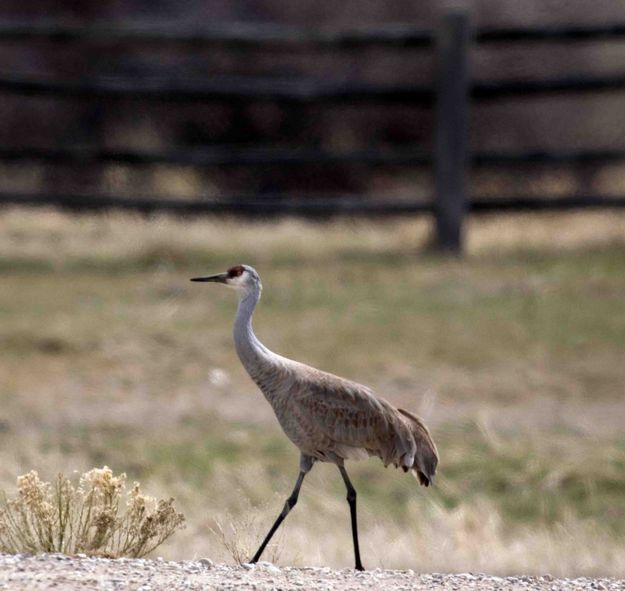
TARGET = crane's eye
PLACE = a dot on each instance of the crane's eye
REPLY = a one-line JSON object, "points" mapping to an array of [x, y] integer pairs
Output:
{"points": [[235, 271]]}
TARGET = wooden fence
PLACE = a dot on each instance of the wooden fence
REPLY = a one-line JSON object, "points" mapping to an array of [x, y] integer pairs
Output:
{"points": [[451, 95]]}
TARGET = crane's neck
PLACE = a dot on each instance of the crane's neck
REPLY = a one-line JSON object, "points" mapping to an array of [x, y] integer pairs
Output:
{"points": [[254, 356]]}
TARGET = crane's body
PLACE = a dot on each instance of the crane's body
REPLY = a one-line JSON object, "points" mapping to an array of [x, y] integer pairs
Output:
{"points": [[332, 420], [328, 418]]}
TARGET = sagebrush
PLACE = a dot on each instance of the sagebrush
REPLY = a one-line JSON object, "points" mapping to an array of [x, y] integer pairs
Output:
{"points": [[84, 518]]}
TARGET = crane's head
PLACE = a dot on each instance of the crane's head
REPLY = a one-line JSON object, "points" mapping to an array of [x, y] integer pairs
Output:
{"points": [[240, 277]]}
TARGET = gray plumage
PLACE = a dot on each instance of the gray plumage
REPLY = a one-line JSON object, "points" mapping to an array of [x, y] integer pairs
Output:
{"points": [[328, 418]]}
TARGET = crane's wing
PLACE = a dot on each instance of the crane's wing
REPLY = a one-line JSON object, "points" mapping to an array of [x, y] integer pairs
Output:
{"points": [[347, 416], [342, 411]]}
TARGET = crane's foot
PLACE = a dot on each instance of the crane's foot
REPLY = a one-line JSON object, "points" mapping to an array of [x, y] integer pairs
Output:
{"points": [[359, 567]]}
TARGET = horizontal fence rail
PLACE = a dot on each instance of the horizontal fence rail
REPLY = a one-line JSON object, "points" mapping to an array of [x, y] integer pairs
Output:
{"points": [[494, 90], [249, 89], [264, 156], [304, 91], [553, 33], [218, 156], [270, 35], [268, 205], [313, 206], [229, 34], [566, 157]]}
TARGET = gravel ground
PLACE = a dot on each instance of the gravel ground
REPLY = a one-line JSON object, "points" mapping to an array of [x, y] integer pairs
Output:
{"points": [[56, 571]]}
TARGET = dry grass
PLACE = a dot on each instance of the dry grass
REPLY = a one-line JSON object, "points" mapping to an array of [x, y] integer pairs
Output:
{"points": [[513, 355], [469, 538], [58, 239], [242, 532]]}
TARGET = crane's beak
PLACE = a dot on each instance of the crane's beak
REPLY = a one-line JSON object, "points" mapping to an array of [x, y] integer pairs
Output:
{"points": [[219, 278]]}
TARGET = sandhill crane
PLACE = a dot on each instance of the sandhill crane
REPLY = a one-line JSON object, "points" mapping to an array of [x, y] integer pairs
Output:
{"points": [[328, 418]]}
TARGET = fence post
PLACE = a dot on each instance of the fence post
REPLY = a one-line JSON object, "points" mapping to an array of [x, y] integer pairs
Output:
{"points": [[452, 110]]}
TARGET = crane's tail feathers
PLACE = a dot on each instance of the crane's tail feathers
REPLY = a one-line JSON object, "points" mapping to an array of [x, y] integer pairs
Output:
{"points": [[422, 478], [423, 463]]}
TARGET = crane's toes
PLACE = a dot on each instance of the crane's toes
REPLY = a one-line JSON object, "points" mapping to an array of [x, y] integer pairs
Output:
{"points": [[359, 567]]}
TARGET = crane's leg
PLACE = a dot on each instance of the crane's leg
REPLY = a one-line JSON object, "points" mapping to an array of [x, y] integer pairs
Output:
{"points": [[351, 499], [306, 463]]}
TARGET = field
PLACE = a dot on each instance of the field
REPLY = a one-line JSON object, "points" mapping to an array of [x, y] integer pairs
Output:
{"points": [[514, 356]]}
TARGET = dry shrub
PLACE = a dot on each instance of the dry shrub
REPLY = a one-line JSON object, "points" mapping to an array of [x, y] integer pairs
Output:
{"points": [[86, 518]]}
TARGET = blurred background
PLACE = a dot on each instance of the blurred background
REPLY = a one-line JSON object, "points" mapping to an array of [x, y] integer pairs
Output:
{"points": [[338, 148]]}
